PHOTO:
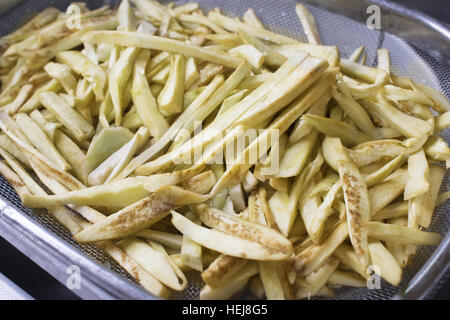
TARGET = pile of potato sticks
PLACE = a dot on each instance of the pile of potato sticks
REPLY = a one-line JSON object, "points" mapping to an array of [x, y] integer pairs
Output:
{"points": [[95, 118]]}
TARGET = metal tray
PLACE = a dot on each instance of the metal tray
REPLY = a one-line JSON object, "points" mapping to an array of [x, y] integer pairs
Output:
{"points": [[420, 48]]}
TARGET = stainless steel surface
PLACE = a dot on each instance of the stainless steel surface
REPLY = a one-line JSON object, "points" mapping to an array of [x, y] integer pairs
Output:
{"points": [[49, 245]]}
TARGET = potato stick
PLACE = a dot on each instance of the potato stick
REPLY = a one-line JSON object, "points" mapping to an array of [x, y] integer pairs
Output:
{"points": [[233, 286], [16, 104], [72, 153], [357, 205], [309, 260], [104, 144], [318, 279], [394, 210], [118, 79], [109, 168], [70, 118], [60, 214], [34, 102], [225, 243], [221, 270], [329, 53], [342, 278], [131, 39], [399, 94], [347, 256], [325, 184], [333, 128], [305, 74], [39, 58], [185, 8], [418, 175], [40, 141], [134, 269], [372, 151], [437, 149], [262, 235], [384, 193], [7, 144], [83, 66], [308, 24], [401, 234], [249, 53], [384, 61], [13, 179], [200, 183], [170, 100], [200, 19], [191, 252], [50, 128], [126, 17], [271, 281], [403, 123], [186, 119], [169, 240], [151, 9], [153, 261], [379, 175], [323, 212], [296, 156], [117, 195], [252, 82], [354, 57], [386, 263], [421, 208], [191, 73], [234, 26], [139, 216], [251, 18], [63, 75], [40, 20], [442, 121], [303, 128], [354, 110]]}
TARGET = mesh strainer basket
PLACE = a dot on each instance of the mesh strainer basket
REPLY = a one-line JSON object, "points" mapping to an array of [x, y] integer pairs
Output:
{"points": [[420, 49]]}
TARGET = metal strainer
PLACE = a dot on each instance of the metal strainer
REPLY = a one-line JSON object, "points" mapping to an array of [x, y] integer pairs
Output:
{"points": [[48, 244]]}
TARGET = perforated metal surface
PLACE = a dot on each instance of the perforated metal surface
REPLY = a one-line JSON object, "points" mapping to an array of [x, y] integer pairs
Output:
{"points": [[280, 16]]}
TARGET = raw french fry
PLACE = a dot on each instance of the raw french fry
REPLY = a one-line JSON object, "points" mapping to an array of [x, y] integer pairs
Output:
{"points": [[318, 279], [104, 144], [333, 128], [169, 240], [221, 269], [83, 66], [62, 73], [233, 285], [394, 210], [140, 215], [170, 100], [421, 207], [310, 259], [342, 278], [347, 256], [130, 39], [7, 144], [191, 252], [225, 243], [249, 53], [70, 118], [22, 96], [308, 23], [384, 193], [118, 194], [402, 235], [386, 263], [13, 179], [418, 175], [34, 101], [144, 277], [354, 57], [234, 26], [40, 141], [154, 262]]}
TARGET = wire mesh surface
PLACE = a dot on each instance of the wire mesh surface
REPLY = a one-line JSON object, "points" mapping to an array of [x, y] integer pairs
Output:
{"points": [[280, 17]]}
